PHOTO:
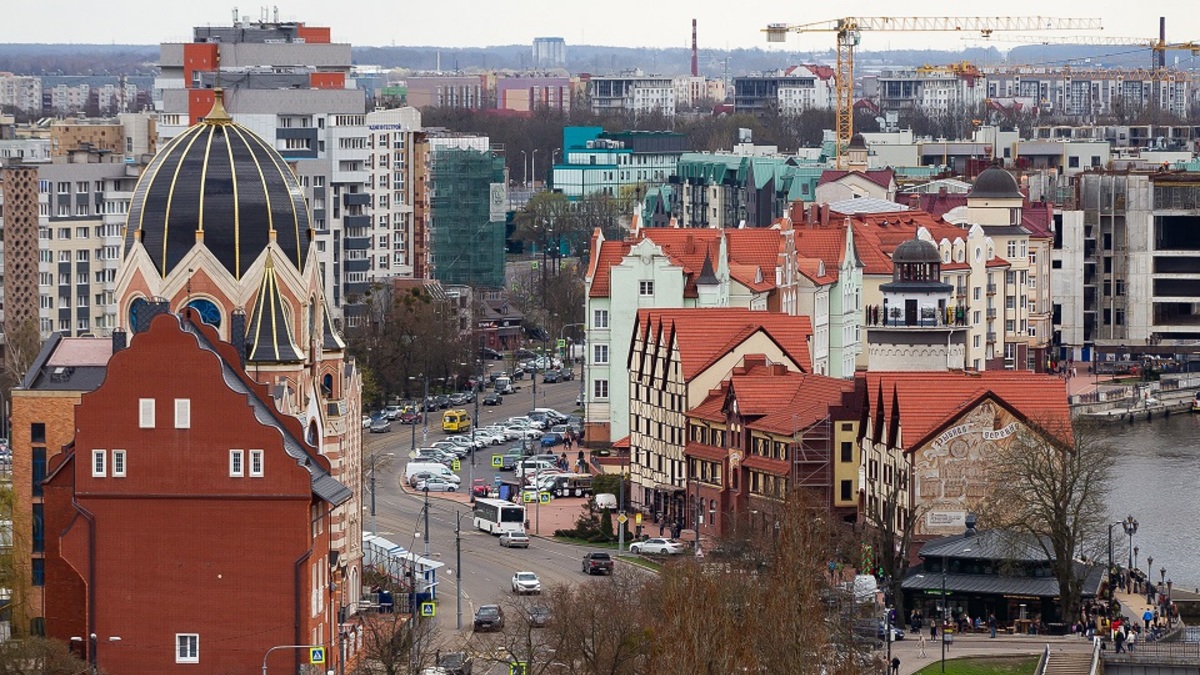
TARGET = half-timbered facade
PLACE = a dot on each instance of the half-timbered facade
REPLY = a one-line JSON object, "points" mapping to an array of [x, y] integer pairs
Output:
{"points": [[676, 357]]}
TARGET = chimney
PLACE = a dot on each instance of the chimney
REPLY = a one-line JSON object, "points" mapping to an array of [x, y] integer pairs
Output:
{"points": [[971, 520], [824, 215], [914, 200], [119, 340], [695, 54], [690, 246], [813, 210]]}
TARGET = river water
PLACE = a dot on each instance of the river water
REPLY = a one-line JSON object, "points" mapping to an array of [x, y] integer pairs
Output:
{"points": [[1157, 479]]}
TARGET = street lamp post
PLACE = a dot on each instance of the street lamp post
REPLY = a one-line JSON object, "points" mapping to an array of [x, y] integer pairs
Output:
{"points": [[945, 611], [524, 169], [1130, 524], [1135, 556], [1109, 576], [533, 168]]}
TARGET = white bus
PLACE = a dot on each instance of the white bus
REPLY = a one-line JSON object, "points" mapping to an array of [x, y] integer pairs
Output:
{"points": [[497, 516]]}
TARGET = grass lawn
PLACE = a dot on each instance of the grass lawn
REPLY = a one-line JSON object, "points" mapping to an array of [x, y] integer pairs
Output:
{"points": [[1024, 665]]}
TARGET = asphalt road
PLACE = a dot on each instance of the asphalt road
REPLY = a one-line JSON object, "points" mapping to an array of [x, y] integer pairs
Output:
{"points": [[487, 568]]}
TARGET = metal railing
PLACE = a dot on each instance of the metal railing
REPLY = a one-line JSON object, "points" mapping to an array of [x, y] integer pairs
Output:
{"points": [[1043, 662], [1186, 653]]}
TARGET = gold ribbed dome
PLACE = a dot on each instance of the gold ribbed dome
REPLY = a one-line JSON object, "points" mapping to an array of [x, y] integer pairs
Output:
{"points": [[221, 180]]}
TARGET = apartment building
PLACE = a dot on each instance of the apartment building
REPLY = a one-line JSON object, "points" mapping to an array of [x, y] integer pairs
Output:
{"points": [[471, 92], [81, 214], [549, 52], [22, 92], [521, 93], [1129, 255], [397, 246], [292, 85], [1086, 93], [633, 93], [958, 88], [786, 92], [595, 161]]}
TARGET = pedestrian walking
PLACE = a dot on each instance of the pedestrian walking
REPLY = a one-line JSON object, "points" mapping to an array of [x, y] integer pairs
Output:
{"points": [[895, 665], [991, 622], [921, 645], [933, 631]]}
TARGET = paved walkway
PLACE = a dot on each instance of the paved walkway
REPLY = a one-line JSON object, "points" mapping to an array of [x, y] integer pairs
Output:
{"points": [[976, 645]]}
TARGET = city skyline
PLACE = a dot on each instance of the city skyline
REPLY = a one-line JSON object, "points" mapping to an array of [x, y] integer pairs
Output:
{"points": [[624, 24]]}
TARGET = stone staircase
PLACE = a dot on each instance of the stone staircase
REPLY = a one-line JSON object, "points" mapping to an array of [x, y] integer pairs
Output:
{"points": [[1062, 663]]}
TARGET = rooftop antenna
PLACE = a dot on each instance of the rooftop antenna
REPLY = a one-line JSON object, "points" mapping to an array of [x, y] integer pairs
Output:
{"points": [[276, 12], [695, 56], [235, 16]]}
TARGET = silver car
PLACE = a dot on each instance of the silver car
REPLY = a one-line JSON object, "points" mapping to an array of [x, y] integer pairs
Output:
{"points": [[514, 540], [526, 582]]}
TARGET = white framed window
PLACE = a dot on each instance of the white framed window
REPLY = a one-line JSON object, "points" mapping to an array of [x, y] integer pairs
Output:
{"points": [[256, 463], [600, 318], [99, 463], [146, 413], [600, 354], [183, 413], [237, 460], [118, 463], [600, 389], [645, 288], [187, 648]]}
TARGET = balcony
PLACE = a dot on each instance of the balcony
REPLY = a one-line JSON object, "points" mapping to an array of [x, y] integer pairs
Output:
{"points": [[991, 338], [356, 221], [991, 289], [961, 291], [356, 198], [991, 313]]}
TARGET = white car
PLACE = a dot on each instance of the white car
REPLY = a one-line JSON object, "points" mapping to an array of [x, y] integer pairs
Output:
{"points": [[490, 437], [422, 476], [657, 546], [465, 442], [366, 421], [436, 484], [514, 540], [526, 582], [499, 432]]}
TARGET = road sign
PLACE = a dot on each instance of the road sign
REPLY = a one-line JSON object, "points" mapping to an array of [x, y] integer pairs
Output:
{"points": [[544, 497], [428, 609], [497, 462], [455, 465], [528, 497], [622, 519], [561, 344], [637, 518], [316, 655], [534, 265], [496, 480], [518, 668]]}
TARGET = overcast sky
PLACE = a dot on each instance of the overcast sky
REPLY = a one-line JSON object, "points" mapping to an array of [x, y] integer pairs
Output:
{"points": [[633, 23]]}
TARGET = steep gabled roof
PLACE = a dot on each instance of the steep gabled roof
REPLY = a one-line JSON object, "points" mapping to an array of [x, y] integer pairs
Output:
{"points": [[705, 335], [884, 178], [610, 253], [331, 341], [928, 401], [784, 402]]}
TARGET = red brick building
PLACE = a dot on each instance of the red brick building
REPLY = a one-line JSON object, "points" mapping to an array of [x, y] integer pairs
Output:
{"points": [[191, 518]]}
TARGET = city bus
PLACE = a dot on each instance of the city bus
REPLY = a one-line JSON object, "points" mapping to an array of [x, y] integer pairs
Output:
{"points": [[456, 421], [498, 516]]}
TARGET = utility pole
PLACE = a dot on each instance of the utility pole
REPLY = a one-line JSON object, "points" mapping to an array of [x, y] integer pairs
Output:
{"points": [[426, 510], [621, 510], [373, 530], [458, 563]]}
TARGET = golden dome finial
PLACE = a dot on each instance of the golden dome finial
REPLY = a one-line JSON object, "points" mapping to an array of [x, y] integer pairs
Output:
{"points": [[218, 114]]}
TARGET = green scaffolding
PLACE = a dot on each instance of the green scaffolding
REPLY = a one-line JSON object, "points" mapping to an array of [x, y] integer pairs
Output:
{"points": [[468, 247]]}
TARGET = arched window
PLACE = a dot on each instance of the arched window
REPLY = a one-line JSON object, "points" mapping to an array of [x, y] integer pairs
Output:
{"points": [[136, 309], [208, 311], [327, 385]]}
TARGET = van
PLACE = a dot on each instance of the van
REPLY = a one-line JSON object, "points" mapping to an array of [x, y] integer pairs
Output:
{"points": [[504, 385], [606, 500], [572, 485], [531, 466], [456, 421], [436, 468]]}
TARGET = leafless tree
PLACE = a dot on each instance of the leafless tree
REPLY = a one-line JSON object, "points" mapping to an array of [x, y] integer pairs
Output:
{"points": [[523, 639], [891, 524], [39, 656], [602, 627], [1050, 485], [393, 642]]}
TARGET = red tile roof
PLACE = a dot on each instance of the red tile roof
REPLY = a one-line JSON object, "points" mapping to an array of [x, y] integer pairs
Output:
{"points": [[824, 243], [687, 247], [784, 402], [606, 255], [777, 467], [929, 401], [881, 177], [811, 269], [706, 334]]}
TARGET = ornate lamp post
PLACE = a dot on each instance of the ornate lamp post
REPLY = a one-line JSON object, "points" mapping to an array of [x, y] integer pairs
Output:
{"points": [[1130, 524]]}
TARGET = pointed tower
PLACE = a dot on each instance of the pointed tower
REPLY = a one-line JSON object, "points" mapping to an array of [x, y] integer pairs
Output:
{"points": [[708, 286], [270, 336]]}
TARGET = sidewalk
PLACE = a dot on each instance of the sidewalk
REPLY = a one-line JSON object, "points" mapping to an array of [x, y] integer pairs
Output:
{"points": [[980, 645]]}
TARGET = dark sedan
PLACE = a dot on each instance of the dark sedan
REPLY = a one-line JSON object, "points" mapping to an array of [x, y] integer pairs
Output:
{"points": [[553, 439], [492, 399], [551, 376], [489, 617]]}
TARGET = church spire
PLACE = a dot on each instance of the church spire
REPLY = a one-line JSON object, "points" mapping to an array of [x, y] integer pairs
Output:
{"points": [[270, 339]]}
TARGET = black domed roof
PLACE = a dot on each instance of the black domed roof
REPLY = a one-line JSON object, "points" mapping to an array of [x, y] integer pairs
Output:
{"points": [[995, 183], [220, 178], [858, 142], [916, 251]]}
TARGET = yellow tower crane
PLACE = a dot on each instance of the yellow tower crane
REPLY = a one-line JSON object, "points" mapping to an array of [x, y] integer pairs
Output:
{"points": [[849, 32], [1154, 44]]}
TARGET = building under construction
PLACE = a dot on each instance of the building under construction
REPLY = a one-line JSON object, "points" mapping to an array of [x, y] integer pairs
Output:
{"points": [[468, 202]]}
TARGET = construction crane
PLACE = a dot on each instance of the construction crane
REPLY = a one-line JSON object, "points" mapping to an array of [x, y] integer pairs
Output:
{"points": [[849, 33], [1154, 44]]}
